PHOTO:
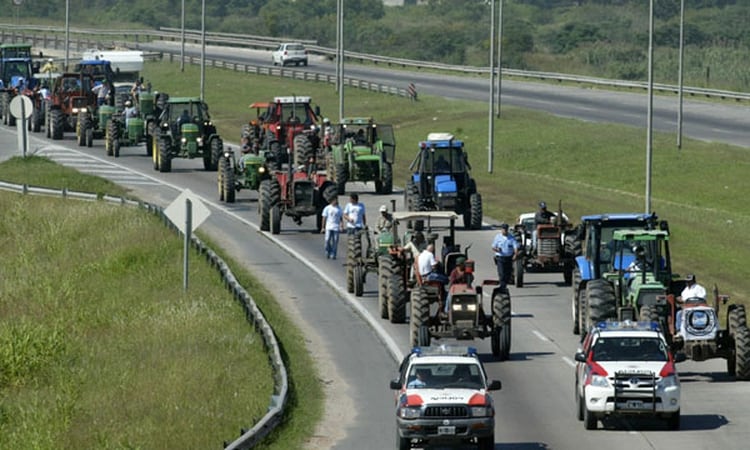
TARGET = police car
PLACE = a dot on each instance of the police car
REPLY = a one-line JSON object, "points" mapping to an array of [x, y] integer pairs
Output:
{"points": [[626, 368], [442, 396]]}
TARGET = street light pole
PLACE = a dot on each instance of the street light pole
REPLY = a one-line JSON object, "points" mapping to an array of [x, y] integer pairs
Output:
{"points": [[340, 55], [499, 57], [182, 34], [203, 50], [650, 114], [67, 32], [681, 69], [491, 119]]}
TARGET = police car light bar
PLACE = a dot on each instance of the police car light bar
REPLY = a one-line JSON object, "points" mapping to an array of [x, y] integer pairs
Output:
{"points": [[628, 325], [445, 350]]}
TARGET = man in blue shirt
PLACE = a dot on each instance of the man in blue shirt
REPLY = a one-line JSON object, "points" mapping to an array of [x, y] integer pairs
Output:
{"points": [[354, 215], [505, 248]]}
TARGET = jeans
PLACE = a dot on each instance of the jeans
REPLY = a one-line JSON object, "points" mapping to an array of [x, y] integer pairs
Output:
{"points": [[331, 243], [504, 269]]}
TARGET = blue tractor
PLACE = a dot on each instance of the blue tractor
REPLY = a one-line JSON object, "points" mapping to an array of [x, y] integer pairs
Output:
{"points": [[593, 245], [440, 180], [16, 77]]}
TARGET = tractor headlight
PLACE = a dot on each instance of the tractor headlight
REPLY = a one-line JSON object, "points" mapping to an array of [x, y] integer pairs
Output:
{"points": [[199, 140], [183, 140], [75, 110], [227, 154], [261, 169], [468, 307]]}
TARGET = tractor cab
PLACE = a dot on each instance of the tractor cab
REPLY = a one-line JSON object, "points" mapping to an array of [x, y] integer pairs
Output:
{"points": [[99, 69], [187, 116]]}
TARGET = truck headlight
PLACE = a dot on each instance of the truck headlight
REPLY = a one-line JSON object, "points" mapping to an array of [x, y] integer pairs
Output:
{"points": [[669, 382], [480, 411], [599, 381], [409, 412]]}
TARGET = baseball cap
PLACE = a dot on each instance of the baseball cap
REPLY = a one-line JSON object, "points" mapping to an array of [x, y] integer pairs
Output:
{"points": [[383, 208], [690, 277], [460, 260], [504, 226], [543, 205]]}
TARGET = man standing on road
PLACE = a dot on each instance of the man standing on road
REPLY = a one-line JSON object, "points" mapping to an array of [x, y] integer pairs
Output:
{"points": [[354, 215], [505, 248], [332, 221]]}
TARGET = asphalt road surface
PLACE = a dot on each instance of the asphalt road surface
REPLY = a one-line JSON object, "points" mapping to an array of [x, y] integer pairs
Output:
{"points": [[357, 349]]}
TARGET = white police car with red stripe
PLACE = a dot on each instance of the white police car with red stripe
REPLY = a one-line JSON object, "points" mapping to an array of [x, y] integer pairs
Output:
{"points": [[626, 368], [443, 397]]}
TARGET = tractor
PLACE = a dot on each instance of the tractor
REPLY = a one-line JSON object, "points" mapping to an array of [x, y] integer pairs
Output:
{"points": [[186, 131], [288, 129], [465, 319], [440, 180], [16, 72], [294, 193], [635, 281], [128, 132], [247, 172], [360, 261], [554, 250], [589, 243], [395, 278], [71, 93], [695, 329], [362, 150]]}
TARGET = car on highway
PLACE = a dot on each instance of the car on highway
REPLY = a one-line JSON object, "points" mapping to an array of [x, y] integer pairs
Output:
{"points": [[626, 368], [289, 53], [443, 397]]}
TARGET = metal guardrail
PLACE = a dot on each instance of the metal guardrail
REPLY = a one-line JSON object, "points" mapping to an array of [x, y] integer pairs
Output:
{"points": [[270, 43], [273, 417]]}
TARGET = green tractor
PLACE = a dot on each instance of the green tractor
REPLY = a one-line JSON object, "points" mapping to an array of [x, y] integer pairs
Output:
{"points": [[360, 261], [362, 151], [186, 131], [247, 172], [129, 132], [637, 280]]}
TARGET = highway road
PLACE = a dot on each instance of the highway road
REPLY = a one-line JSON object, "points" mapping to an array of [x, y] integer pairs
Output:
{"points": [[356, 349], [708, 121]]}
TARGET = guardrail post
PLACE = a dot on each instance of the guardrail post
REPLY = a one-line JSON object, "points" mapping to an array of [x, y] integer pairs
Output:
{"points": [[412, 90]]}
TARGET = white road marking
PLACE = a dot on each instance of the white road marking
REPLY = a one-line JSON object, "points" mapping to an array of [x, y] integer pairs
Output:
{"points": [[568, 361], [540, 336]]}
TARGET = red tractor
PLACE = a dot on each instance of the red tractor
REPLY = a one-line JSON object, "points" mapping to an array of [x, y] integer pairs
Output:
{"points": [[71, 94], [288, 128], [294, 193]]}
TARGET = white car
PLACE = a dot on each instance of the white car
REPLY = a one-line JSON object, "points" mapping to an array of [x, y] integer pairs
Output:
{"points": [[626, 368], [442, 396], [292, 53]]}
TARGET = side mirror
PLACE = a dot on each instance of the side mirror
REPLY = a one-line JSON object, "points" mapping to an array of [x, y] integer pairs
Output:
{"points": [[680, 357], [580, 357], [495, 385], [395, 385]]}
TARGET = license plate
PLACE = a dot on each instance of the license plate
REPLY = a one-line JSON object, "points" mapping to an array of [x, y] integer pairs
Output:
{"points": [[446, 430], [634, 404]]}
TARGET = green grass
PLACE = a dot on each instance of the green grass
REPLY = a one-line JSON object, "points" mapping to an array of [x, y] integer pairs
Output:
{"points": [[100, 347], [591, 168]]}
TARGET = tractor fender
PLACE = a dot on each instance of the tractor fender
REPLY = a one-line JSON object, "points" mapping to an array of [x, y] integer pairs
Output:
{"points": [[584, 267]]}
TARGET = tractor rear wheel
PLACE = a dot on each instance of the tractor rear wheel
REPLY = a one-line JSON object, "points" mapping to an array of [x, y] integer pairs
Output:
{"points": [[397, 295], [109, 134], [383, 273], [165, 163], [423, 336], [226, 181], [80, 130], [211, 159], [57, 121], [116, 146], [89, 134], [275, 219], [501, 324], [736, 318], [303, 150], [155, 154], [387, 188], [359, 281], [475, 217], [519, 266], [602, 305], [36, 120], [149, 137], [329, 193], [742, 352], [420, 313], [264, 205], [353, 255], [275, 150], [341, 178], [574, 301]]}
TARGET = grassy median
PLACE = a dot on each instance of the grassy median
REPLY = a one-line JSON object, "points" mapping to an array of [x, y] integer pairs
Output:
{"points": [[100, 347]]}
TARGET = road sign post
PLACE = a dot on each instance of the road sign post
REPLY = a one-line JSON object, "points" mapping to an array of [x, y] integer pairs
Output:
{"points": [[187, 212], [21, 108]]}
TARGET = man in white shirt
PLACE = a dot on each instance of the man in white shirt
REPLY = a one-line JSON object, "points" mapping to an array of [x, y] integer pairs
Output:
{"points": [[332, 216], [354, 215], [693, 293], [428, 266]]}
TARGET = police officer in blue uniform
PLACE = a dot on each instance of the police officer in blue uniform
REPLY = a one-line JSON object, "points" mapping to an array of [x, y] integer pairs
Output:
{"points": [[505, 248]]}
